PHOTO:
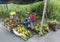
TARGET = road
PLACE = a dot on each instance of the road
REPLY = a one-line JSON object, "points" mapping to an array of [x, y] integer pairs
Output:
{"points": [[6, 36]]}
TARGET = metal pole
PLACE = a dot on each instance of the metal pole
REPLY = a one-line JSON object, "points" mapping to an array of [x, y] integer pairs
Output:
{"points": [[44, 11]]}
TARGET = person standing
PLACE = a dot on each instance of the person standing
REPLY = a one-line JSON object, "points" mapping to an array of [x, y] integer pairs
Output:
{"points": [[33, 19], [12, 15], [18, 17]]}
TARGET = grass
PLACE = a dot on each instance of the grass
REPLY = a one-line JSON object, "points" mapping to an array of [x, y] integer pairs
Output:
{"points": [[23, 9], [19, 7], [53, 9]]}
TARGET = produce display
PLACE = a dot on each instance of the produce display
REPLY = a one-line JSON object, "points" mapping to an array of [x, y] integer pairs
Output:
{"points": [[53, 22], [37, 28], [24, 33], [10, 22], [44, 30], [20, 29]]}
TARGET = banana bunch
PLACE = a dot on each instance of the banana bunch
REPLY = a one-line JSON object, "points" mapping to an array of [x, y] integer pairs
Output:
{"points": [[10, 22], [45, 28], [6, 21], [53, 22], [37, 29], [21, 29]]}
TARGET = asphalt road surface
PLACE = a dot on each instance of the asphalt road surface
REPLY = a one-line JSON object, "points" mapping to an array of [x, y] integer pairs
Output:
{"points": [[6, 36]]}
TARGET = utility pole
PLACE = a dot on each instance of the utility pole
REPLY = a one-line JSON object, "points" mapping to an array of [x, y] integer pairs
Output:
{"points": [[44, 12]]}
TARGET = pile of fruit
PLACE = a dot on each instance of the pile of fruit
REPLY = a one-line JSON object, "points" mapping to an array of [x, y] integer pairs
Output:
{"points": [[44, 30], [20, 29], [10, 22], [37, 29], [53, 22]]}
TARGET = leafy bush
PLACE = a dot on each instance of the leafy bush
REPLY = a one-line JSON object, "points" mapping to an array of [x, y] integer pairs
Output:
{"points": [[53, 9], [23, 9]]}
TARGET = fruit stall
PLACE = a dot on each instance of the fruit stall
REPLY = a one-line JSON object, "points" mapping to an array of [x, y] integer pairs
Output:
{"points": [[14, 25], [20, 30], [17, 28]]}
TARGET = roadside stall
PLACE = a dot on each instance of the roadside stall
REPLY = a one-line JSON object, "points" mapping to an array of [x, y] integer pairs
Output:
{"points": [[16, 27], [27, 29]]}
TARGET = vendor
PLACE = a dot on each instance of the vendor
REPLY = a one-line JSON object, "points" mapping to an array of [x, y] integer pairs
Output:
{"points": [[18, 17], [12, 15], [27, 22], [32, 19]]}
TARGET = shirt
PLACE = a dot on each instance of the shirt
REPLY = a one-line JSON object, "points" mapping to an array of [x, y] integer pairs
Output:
{"points": [[32, 17]]}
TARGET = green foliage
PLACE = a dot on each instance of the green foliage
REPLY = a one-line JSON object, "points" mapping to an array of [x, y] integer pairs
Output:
{"points": [[53, 9], [23, 9]]}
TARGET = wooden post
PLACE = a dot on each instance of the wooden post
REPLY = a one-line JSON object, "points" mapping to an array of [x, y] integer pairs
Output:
{"points": [[7, 6], [0, 8], [44, 12]]}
